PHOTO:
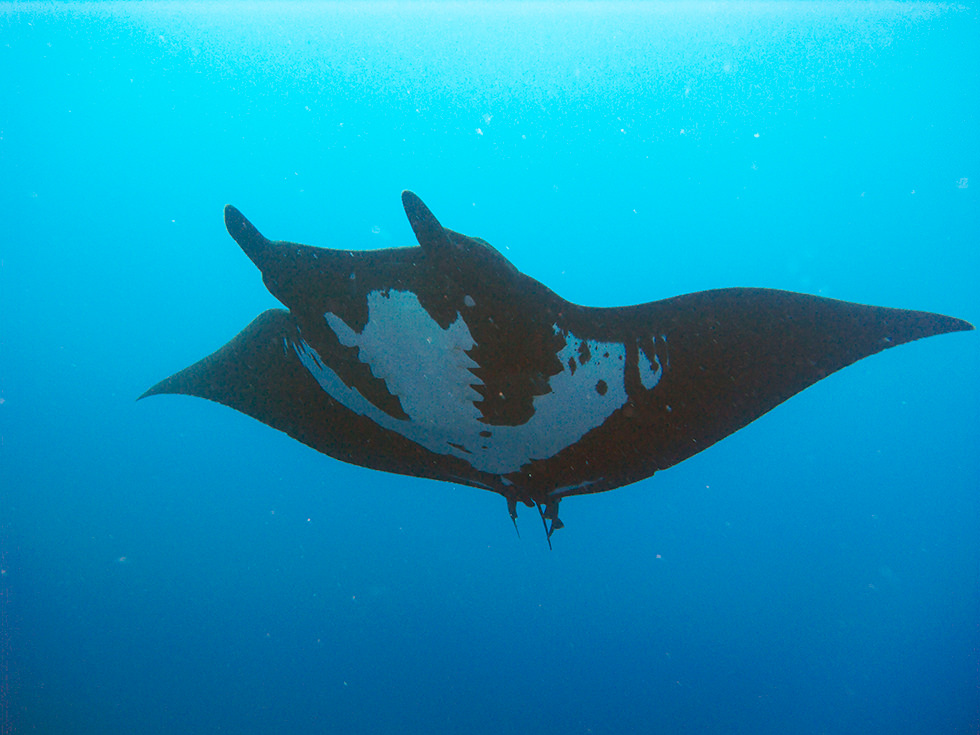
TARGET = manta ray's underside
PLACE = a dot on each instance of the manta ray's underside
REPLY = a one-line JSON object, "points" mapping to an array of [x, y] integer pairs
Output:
{"points": [[444, 361]]}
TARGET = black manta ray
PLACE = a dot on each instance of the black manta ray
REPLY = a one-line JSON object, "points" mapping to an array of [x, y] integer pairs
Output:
{"points": [[444, 361]]}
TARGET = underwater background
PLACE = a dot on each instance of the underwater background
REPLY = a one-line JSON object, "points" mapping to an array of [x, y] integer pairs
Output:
{"points": [[173, 566]]}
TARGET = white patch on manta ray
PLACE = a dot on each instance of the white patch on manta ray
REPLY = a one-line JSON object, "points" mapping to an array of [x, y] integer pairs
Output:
{"points": [[427, 368], [649, 377], [423, 364]]}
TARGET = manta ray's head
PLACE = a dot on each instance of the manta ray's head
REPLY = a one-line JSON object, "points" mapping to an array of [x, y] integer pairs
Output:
{"points": [[304, 277]]}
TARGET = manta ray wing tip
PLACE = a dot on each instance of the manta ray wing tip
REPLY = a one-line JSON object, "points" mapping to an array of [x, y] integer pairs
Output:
{"points": [[942, 324], [154, 391]]}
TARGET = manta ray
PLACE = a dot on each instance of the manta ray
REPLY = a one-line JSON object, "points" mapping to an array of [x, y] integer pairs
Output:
{"points": [[444, 361]]}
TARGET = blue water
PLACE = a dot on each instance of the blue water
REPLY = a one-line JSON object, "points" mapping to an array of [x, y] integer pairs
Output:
{"points": [[173, 566]]}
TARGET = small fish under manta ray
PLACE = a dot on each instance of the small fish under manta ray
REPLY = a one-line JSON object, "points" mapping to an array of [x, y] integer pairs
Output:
{"points": [[444, 361]]}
